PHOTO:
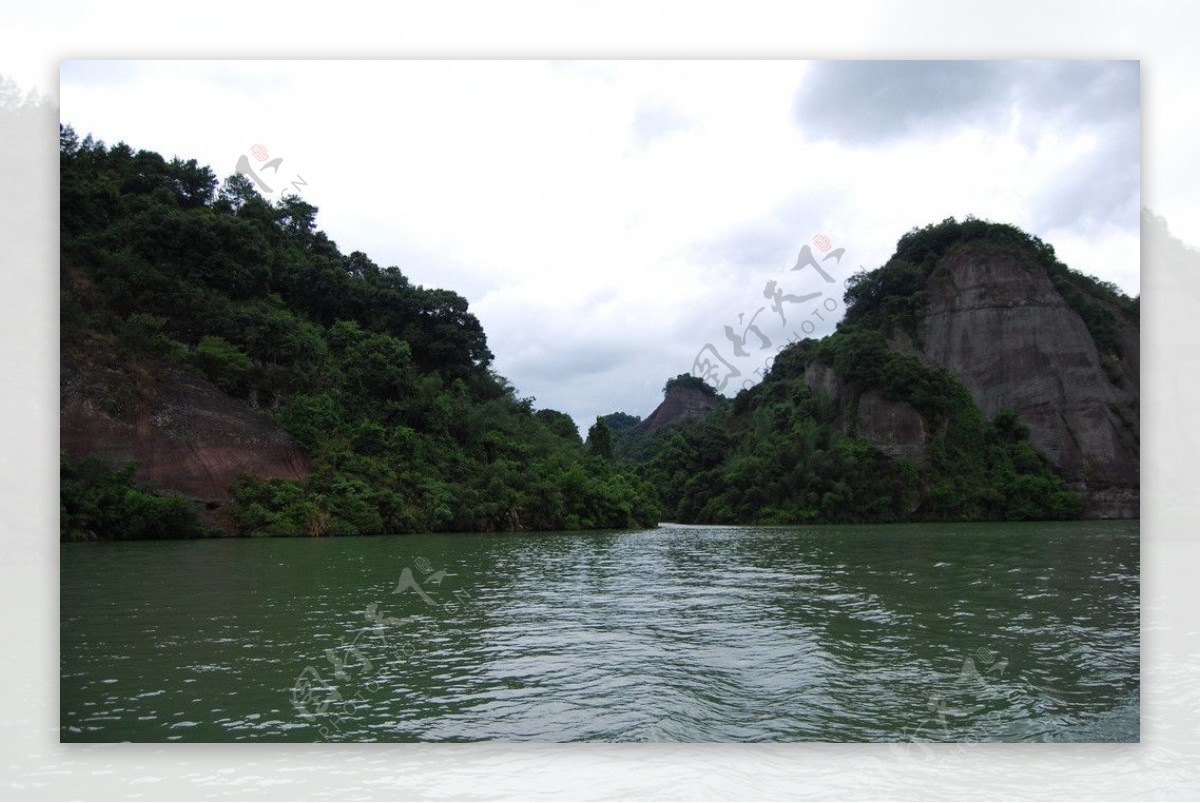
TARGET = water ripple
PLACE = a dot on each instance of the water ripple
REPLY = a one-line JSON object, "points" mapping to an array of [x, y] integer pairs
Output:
{"points": [[938, 633]]}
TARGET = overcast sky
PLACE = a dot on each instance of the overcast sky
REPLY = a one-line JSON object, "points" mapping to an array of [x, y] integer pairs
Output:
{"points": [[608, 220]]}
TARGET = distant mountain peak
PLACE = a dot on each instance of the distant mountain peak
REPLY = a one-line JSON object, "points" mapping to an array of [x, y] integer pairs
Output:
{"points": [[682, 401]]}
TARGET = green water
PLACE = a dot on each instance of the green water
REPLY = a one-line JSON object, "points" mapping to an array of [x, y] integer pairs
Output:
{"points": [[981, 632]]}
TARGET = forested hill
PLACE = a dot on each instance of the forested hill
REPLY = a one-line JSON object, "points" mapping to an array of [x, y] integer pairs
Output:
{"points": [[974, 377], [249, 368]]}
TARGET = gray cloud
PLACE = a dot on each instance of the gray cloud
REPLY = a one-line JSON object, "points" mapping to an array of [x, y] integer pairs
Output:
{"points": [[1101, 189], [871, 102], [1079, 93], [875, 102], [771, 242], [751, 249], [583, 358]]}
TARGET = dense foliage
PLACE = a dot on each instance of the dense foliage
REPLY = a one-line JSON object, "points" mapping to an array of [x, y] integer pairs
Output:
{"points": [[782, 453], [98, 502], [690, 382], [387, 384]]}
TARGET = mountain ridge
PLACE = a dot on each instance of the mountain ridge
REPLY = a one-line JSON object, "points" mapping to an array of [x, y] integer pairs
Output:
{"points": [[973, 365]]}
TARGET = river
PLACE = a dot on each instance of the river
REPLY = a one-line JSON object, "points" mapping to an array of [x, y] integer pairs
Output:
{"points": [[946, 632]]}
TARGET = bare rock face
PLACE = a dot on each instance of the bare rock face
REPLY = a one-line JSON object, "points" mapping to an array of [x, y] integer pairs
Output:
{"points": [[996, 321], [187, 435], [823, 379], [896, 428], [680, 403]]}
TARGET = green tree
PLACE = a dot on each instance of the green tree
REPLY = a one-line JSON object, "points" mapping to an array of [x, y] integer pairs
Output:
{"points": [[599, 440], [560, 424], [100, 502], [221, 362], [690, 382]]}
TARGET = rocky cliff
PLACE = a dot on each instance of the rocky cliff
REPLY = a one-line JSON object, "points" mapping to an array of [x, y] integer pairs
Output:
{"points": [[680, 403], [993, 317], [186, 435], [997, 322]]}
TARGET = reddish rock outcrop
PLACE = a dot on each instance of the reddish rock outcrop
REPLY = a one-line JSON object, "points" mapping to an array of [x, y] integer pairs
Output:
{"points": [[186, 434], [680, 403]]}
